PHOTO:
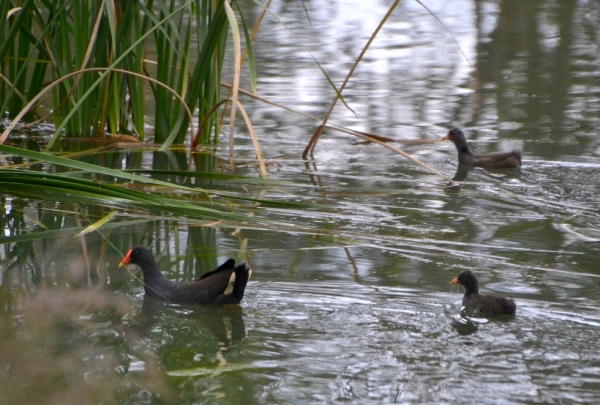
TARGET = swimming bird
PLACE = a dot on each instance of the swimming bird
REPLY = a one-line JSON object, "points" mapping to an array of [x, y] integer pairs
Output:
{"points": [[223, 286], [501, 160], [491, 304]]}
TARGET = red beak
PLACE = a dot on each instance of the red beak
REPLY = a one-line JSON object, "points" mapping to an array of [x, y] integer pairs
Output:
{"points": [[126, 259]]}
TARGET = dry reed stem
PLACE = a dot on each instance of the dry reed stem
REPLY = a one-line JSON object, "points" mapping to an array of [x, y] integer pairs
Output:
{"points": [[237, 51], [393, 148], [315, 138], [381, 140], [259, 156]]}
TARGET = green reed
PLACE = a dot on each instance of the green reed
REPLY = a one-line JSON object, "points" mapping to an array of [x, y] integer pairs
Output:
{"points": [[99, 66]]}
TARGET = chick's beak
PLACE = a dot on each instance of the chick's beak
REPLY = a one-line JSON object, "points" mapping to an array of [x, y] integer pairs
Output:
{"points": [[454, 280], [447, 137]]}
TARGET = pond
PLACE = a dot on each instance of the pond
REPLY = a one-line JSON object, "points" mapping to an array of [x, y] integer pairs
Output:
{"points": [[353, 249]]}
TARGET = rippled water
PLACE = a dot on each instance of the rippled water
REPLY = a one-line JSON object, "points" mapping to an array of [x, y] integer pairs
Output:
{"points": [[350, 302], [337, 341], [399, 345]]}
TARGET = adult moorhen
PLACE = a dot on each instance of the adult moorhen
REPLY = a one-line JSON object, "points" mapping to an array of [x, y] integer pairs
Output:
{"points": [[223, 286], [501, 160], [491, 304]]}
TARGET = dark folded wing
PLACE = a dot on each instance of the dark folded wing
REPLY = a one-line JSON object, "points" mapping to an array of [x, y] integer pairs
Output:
{"points": [[228, 265], [203, 291]]}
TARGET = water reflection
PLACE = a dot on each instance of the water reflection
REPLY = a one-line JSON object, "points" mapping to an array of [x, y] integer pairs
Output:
{"points": [[226, 324], [530, 80], [462, 172], [464, 325]]}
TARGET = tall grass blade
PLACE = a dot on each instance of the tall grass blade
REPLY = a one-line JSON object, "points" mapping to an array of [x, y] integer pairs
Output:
{"points": [[96, 225], [237, 51]]}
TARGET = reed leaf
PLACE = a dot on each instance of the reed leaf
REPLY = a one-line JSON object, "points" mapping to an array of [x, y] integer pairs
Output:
{"points": [[96, 225], [249, 51], [56, 187], [87, 167], [57, 233]]}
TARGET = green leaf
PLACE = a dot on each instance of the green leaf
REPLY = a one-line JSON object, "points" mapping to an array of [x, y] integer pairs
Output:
{"points": [[57, 233], [56, 160], [96, 225]]}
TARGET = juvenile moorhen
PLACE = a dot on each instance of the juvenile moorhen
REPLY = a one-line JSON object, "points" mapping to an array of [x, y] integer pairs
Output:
{"points": [[491, 304], [503, 160], [223, 286]]}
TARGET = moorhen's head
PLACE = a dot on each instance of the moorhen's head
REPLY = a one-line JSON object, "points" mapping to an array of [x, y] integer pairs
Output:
{"points": [[468, 280], [457, 137], [139, 256]]}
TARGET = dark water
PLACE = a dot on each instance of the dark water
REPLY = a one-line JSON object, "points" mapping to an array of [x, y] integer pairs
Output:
{"points": [[349, 300]]}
